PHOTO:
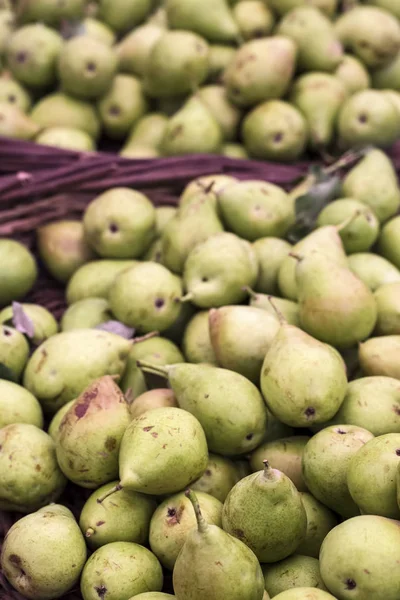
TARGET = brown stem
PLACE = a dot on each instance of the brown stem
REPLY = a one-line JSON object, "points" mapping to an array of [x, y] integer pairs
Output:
{"points": [[116, 488]]}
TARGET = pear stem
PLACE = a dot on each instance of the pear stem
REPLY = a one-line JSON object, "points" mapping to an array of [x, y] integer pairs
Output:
{"points": [[154, 369], [89, 532], [267, 469], [250, 292], [148, 336], [188, 298], [348, 221], [346, 160], [202, 524], [280, 316], [116, 488]]}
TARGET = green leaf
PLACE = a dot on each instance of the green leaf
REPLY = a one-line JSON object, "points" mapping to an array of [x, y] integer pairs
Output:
{"points": [[6, 373]]}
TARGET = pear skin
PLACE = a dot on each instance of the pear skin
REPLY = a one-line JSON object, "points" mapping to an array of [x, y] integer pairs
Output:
{"points": [[374, 270], [212, 19], [320, 520], [388, 243], [387, 297], [196, 341], [17, 405], [380, 356], [296, 571]]}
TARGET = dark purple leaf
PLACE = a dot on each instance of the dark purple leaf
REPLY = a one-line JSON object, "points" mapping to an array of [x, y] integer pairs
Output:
{"points": [[21, 321], [118, 328]]}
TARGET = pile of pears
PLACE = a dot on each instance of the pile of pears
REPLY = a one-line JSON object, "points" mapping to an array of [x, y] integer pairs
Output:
{"points": [[216, 415], [266, 79]]}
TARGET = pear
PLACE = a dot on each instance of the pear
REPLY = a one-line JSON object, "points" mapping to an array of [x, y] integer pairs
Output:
{"points": [[18, 270], [123, 518], [95, 279], [219, 477], [304, 593], [275, 130], [388, 5], [164, 214], [192, 130], [196, 341], [270, 252], [254, 18], [353, 74], [122, 15], [55, 422], [319, 96], [373, 270], [233, 150], [256, 209], [387, 297], [371, 476], [368, 117], [17, 405], [225, 113], [31, 477], [388, 243], [15, 124], [99, 30], [319, 48], [177, 64], [320, 520], [120, 570], [14, 353], [283, 6], [119, 223], [122, 106], [101, 414], [134, 49], [172, 522], [86, 314], [60, 110], [32, 544], [152, 596], [62, 248], [380, 356], [154, 252], [217, 270], [14, 93], [360, 556], [65, 364], [209, 186], [394, 97], [314, 393], [212, 19], [261, 70], [343, 311], [198, 572], [387, 76], [284, 454], [44, 324], [148, 132], [86, 67], [146, 297], [50, 12], [398, 486], [7, 26], [241, 337], [288, 309], [158, 398], [297, 571], [67, 138], [326, 460], [265, 511], [219, 58], [32, 53], [361, 232], [326, 240], [229, 407], [372, 48]]}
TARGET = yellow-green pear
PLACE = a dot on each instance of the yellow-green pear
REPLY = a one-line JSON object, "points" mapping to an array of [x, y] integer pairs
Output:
{"points": [[373, 270], [380, 356], [196, 341], [67, 138], [320, 520], [388, 243], [61, 110], [387, 76], [14, 353], [86, 314], [353, 74], [387, 297], [219, 58], [122, 15], [16, 124], [158, 398], [225, 113], [95, 279], [134, 49], [254, 18], [17, 405], [270, 253], [283, 6], [212, 19], [50, 12], [18, 270], [148, 132], [288, 309], [14, 93], [296, 571], [219, 477], [55, 422], [99, 30], [44, 323], [305, 593], [122, 106]]}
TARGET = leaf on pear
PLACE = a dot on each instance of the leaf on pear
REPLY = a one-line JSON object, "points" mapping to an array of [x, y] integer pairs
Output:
{"points": [[118, 328], [21, 321]]}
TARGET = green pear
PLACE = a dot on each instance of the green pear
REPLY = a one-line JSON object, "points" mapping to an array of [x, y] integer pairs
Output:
{"points": [[275, 130], [14, 353], [398, 486], [31, 546], [304, 593], [18, 270], [134, 49], [219, 58], [177, 64], [50, 12], [371, 476], [288, 309], [146, 297], [120, 570], [360, 557], [212, 564], [372, 34], [99, 30], [233, 150], [17, 405], [284, 454], [65, 364], [60, 110], [319, 48], [320, 520], [16, 124], [373, 270], [217, 270], [122, 106], [218, 479], [388, 5], [254, 18], [153, 596], [326, 461], [123, 518], [315, 393], [158, 398], [261, 70], [122, 15], [297, 571], [209, 185], [31, 477], [99, 416], [241, 336], [256, 209], [394, 97], [14, 93], [148, 132], [44, 324], [164, 214], [32, 53], [196, 341], [86, 314], [154, 252], [7, 26], [368, 117], [319, 97], [86, 67], [212, 19], [229, 407], [361, 232], [380, 356], [95, 279], [67, 138], [174, 519], [353, 74], [265, 511], [54, 425], [335, 306], [270, 252], [388, 243], [283, 6], [119, 223], [387, 76], [225, 113], [192, 130], [387, 297]]}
